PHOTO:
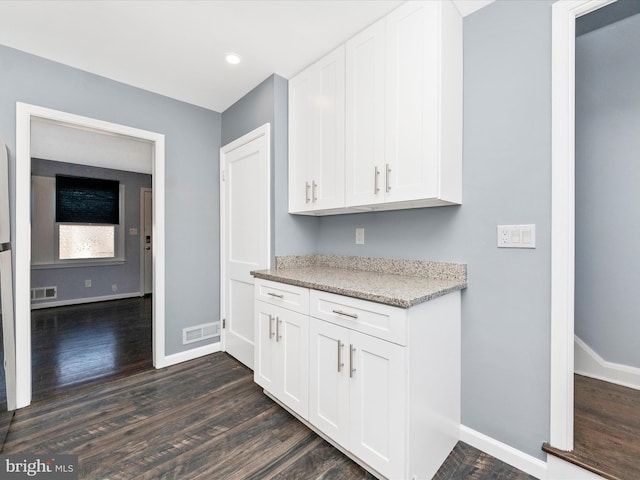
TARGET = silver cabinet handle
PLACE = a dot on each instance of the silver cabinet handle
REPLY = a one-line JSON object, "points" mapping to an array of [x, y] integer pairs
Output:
{"points": [[376, 188], [270, 327], [351, 367], [314, 186], [278, 322], [340, 312], [340, 363], [388, 181], [275, 295], [306, 192]]}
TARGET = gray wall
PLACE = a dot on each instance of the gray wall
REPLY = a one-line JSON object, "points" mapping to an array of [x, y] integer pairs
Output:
{"points": [[70, 281], [268, 102], [192, 136], [506, 180], [607, 193]]}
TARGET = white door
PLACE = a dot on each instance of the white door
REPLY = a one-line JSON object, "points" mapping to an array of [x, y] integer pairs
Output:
{"points": [[147, 240], [245, 235]]}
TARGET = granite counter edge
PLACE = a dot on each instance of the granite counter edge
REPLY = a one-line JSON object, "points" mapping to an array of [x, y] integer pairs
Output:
{"points": [[386, 300]]}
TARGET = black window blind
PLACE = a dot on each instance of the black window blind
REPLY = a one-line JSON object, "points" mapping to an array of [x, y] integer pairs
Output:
{"points": [[87, 200]]}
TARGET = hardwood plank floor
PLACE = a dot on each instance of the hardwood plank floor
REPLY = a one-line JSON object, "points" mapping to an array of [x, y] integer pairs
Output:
{"points": [[79, 345], [204, 419], [606, 429]]}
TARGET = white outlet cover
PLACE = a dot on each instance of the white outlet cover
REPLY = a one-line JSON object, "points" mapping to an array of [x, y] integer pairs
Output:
{"points": [[359, 236]]}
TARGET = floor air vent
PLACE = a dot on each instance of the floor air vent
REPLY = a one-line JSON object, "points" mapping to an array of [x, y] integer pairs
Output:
{"points": [[200, 332], [44, 293]]}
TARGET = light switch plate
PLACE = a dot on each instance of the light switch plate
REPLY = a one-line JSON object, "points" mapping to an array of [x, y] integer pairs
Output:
{"points": [[517, 236], [359, 236]]}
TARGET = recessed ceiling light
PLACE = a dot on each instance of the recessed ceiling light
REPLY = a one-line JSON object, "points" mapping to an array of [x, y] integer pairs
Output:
{"points": [[232, 58]]}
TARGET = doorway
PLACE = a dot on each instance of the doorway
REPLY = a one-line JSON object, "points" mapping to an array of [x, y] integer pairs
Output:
{"points": [[24, 115], [245, 225]]}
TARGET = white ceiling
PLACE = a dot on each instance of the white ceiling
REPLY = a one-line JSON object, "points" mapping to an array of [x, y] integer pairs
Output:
{"points": [[176, 47]]}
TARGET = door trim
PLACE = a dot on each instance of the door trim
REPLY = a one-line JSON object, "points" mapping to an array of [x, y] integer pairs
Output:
{"points": [[564, 14], [262, 131], [22, 250]]}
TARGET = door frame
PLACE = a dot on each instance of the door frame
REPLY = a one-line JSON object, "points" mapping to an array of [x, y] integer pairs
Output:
{"points": [[262, 131], [564, 14], [22, 250], [143, 190]]}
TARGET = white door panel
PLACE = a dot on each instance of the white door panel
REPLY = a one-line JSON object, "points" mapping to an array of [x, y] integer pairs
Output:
{"points": [[245, 235]]}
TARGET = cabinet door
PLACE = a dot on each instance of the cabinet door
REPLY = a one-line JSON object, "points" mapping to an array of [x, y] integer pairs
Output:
{"points": [[365, 66], [302, 139], [329, 380], [412, 101], [378, 404], [281, 364], [264, 368], [327, 189], [292, 338]]}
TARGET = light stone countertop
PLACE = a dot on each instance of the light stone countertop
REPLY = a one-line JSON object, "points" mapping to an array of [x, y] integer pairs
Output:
{"points": [[400, 283]]}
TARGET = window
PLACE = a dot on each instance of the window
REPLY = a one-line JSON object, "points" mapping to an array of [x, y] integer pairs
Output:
{"points": [[85, 241], [65, 244]]}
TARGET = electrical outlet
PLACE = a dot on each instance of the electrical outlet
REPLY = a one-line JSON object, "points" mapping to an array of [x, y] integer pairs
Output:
{"points": [[359, 236], [114, 287], [517, 236], [87, 283]]}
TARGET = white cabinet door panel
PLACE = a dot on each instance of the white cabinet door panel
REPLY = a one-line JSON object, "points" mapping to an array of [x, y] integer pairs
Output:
{"points": [[365, 116], [329, 380], [378, 404], [293, 330], [412, 101]]}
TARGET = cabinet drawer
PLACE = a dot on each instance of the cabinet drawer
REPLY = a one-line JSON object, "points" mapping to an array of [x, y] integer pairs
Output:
{"points": [[381, 321], [287, 296]]}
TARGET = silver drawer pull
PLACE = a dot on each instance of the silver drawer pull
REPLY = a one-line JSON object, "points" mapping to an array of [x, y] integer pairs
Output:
{"points": [[340, 312], [340, 362], [270, 327], [275, 295]]}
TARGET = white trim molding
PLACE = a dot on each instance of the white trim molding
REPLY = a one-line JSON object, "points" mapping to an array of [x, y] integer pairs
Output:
{"points": [[564, 14], [590, 364], [22, 250], [188, 355], [514, 457], [79, 301]]}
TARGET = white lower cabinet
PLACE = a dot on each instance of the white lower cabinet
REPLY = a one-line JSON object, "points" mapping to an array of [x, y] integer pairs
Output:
{"points": [[281, 364], [357, 395], [380, 382]]}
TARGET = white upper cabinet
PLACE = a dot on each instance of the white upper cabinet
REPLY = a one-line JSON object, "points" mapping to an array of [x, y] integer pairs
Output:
{"points": [[402, 122], [423, 104], [316, 136], [365, 116]]}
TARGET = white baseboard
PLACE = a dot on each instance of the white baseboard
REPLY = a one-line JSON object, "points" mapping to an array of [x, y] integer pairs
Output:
{"points": [[590, 364], [188, 355], [78, 301], [514, 457]]}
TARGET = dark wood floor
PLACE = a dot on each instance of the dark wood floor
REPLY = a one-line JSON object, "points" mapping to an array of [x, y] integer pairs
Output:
{"points": [[80, 345], [204, 419], [606, 430], [96, 395]]}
